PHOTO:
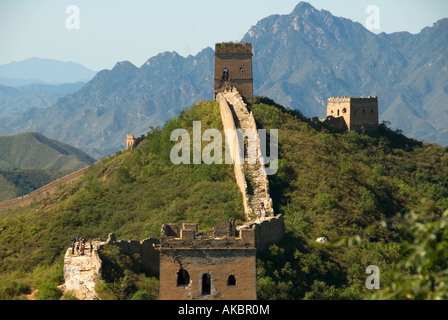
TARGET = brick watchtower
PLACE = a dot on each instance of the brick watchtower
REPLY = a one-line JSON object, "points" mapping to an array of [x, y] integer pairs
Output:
{"points": [[233, 66], [358, 113], [195, 267]]}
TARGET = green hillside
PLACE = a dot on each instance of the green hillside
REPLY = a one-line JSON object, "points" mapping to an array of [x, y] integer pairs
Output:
{"points": [[16, 183], [29, 161], [349, 187], [32, 150]]}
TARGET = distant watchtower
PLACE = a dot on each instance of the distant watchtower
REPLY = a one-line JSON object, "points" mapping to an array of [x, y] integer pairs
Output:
{"points": [[353, 113], [129, 141], [233, 66]]}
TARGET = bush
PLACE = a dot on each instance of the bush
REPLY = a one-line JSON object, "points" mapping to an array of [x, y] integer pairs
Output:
{"points": [[48, 290]]}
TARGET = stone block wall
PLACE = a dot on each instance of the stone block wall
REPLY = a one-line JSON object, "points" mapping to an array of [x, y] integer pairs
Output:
{"points": [[228, 123], [267, 231], [226, 262], [217, 266], [147, 249], [198, 267]]}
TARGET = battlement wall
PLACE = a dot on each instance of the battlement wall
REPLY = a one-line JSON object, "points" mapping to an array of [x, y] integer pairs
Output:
{"points": [[222, 265], [259, 234], [188, 239], [147, 249], [230, 47], [233, 110], [228, 122], [267, 231], [352, 99]]}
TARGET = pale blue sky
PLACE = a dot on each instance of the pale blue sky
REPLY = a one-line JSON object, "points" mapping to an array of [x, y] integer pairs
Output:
{"points": [[135, 30]]}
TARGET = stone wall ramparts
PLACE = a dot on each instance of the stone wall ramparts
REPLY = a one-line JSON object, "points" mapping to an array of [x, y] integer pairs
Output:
{"points": [[267, 231], [146, 248], [230, 47], [228, 123], [348, 99], [259, 234], [263, 174]]}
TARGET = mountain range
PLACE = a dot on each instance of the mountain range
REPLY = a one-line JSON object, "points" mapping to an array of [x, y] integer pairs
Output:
{"points": [[351, 188], [43, 71], [16, 100], [300, 60]]}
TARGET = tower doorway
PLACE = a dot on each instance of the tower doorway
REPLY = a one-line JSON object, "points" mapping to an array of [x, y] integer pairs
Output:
{"points": [[225, 74], [206, 284]]}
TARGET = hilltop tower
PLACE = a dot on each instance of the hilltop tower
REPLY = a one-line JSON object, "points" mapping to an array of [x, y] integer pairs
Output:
{"points": [[353, 113], [130, 141], [233, 66]]}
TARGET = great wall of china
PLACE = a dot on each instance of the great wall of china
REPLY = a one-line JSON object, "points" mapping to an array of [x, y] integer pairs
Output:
{"points": [[235, 115], [191, 264], [226, 248], [45, 191]]}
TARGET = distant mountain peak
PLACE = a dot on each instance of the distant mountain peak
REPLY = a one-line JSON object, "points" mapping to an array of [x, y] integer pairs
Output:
{"points": [[124, 65], [303, 8], [442, 23], [46, 71]]}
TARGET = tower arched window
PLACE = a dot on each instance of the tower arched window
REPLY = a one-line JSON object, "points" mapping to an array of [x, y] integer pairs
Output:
{"points": [[206, 284], [231, 281], [241, 70], [225, 74], [183, 278]]}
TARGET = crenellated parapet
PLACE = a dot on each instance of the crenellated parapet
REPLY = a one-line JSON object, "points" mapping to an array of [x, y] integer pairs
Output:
{"points": [[232, 47], [225, 236]]}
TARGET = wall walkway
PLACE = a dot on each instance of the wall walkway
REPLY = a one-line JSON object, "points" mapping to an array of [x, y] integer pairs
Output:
{"points": [[81, 272], [235, 115]]}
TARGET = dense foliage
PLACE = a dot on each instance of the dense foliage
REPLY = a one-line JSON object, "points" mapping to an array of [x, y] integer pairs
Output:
{"points": [[357, 190], [351, 188], [131, 194]]}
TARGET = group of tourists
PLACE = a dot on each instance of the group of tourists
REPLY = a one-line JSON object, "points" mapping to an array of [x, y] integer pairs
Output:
{"points": [[79, 244]]}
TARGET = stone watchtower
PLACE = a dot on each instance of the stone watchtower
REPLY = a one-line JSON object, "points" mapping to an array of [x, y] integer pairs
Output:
{"points": [[233, 66], [129, 141], [198, 267], [353, 113]]}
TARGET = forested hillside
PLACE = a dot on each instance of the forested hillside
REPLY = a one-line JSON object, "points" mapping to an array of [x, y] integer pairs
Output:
{"points": [[351, 188]]}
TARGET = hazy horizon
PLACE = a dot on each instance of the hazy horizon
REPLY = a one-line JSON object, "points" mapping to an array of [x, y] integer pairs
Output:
{"points": [[112, 31]]}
